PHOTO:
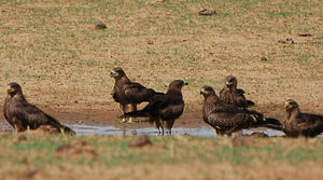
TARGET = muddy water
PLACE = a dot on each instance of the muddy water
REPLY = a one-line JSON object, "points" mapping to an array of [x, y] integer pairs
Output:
{"points": [[195, 131]]}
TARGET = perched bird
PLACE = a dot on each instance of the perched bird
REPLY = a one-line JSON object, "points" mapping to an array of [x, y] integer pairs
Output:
{"points": [[227, 118], [164, 109], [297, 123], [22, 116], [127, 92], [231, 95]]}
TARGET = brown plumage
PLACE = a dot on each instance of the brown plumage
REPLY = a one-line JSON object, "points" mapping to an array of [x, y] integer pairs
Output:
{"points": [[21, 115], [298, 123], [226, 118], [127, 92], [164, 109], [231, 95]]}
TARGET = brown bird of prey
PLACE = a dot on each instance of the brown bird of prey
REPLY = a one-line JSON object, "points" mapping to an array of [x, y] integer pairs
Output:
{"points": [[164, 109], [231, 95], [127, 92], [227, 118], [297, 123], [22, 115]]}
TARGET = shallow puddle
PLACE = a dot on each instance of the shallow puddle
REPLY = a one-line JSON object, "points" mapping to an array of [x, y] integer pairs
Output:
{"points": [[111, 130]]}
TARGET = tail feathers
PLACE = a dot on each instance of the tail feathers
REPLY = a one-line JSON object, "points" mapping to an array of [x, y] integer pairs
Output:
{"points": [[250, 103], [272, 123], [63, 129]]}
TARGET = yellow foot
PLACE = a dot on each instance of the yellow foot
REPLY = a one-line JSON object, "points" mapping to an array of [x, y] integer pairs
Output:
{"points": [[130, 120], [123, 120]]}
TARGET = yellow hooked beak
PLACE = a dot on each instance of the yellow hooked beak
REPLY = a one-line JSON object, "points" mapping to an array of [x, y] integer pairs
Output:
{"points": [[10, 90], [286, 105], [228, 83], [202, 91], [113, 74]]}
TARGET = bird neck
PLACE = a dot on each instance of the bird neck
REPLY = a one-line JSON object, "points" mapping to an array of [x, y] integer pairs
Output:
{"points": [[176, 92], [209, 102], [122, 80], [18, 97], [232, 88], [293, 113]]}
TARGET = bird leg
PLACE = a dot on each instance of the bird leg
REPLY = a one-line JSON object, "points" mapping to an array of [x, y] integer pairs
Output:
{"points": [[158, 125], [133, 107], [16, 129], [124, 108], [162, 130], [169, 124], [163, 124], [28, 129]]}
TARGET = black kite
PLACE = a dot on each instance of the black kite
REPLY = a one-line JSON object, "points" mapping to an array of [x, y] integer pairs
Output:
{"points": [[22, 116], [127, 92], [164, 109], [231, 95], [226, 118], [298, 123]]}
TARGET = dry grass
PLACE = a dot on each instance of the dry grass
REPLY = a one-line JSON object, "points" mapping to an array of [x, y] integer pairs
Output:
{"points": [[54, 50], [186, 157]]}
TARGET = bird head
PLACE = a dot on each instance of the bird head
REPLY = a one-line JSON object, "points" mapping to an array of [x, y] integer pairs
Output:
{"points": [[177, 84], [207, 91], [117, 72], [13, 88], [290, 105], [231, 81]]}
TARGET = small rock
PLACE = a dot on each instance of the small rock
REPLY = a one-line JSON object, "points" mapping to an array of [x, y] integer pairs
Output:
{"points": [[100, 26], [67, 148], [80, 143], [287, 41], [206, 12], [22, 138], [264, 58], [30, 174], [141, 141], [290, 40], [305, 35], [282, 41], [150, 42]]}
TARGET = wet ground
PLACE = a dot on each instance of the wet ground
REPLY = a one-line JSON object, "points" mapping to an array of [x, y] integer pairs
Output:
{"points": [[194, 131], [127, 130]]}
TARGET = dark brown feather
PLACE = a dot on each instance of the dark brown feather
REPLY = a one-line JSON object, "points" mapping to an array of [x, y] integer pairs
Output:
{"points": [[231, 95], [164, 109], [21, 115], [298, 123], [226, 118], [127, 92]]}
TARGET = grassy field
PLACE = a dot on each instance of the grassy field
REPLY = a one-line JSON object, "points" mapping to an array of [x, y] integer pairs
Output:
{"points": [[54, 50], [178, 157], [51, 47]]}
